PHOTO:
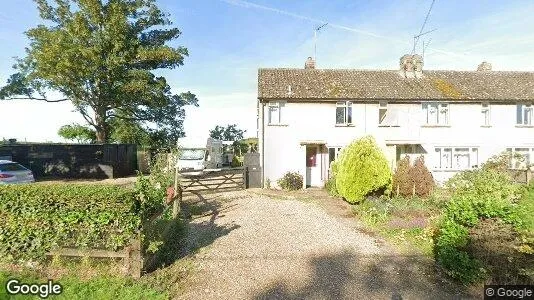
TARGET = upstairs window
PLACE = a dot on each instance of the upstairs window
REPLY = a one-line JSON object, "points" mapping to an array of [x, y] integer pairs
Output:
{"points": [[275, 113], [382, 112], [436, 113], [485, 110], [344, 113], [524, 114]]}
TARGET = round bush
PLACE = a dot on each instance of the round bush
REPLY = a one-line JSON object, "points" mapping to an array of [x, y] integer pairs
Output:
{"points": [[291, 181], [362, 169]]}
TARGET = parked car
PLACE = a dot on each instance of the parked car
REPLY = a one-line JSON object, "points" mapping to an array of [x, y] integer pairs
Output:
{"points": [[12, 172]]}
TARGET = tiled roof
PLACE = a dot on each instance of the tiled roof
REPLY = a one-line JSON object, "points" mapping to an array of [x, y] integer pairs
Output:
{"points": [[300, 84]]}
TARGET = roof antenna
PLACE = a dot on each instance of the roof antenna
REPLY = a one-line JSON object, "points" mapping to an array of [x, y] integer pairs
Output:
{"points": [[315, 40], [417, 36], [425, 45]]}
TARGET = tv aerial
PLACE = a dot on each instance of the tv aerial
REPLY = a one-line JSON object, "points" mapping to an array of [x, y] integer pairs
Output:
{"points": [[421, 33], [315, 40]]}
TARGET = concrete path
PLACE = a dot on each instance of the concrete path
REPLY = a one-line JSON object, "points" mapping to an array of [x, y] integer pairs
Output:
{"points": [[251, 246]]}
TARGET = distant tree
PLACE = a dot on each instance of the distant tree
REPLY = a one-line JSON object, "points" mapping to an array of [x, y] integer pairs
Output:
{"points": [[101, 55], [227, 133], [230, 133], [80, 133]]}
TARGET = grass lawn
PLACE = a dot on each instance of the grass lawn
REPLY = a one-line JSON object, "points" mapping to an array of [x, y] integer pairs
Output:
{"points": [[112, 288]]}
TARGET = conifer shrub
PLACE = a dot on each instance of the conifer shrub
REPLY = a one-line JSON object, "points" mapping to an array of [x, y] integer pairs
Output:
{"points": [[412, 180], [423, 181], [362, 169]]}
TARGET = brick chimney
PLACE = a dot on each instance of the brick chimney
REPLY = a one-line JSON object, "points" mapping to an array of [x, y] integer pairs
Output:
{"points": [[411, 66], [310, 63], [484, 66]]}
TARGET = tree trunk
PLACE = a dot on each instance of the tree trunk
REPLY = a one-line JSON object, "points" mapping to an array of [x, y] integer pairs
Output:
{"points": [[102, 127]]}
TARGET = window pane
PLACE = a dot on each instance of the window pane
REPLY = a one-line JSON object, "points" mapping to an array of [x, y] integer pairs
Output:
{"points": [[443, 114], [274, 116], [527, 119], [432, 116], [485, 117], [331, 155], [474, 158], [340, 115], [437, 160], [446, 158], [461, 158], [381, 115], [519, 114], [349, 115]]}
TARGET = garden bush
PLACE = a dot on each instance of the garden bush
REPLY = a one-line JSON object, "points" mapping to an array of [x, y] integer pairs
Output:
{"points": [[362, 169], [412, 180], [402, 184], [422, 178], [476, 196], [38, 217], [330, 184], [291, 181]]}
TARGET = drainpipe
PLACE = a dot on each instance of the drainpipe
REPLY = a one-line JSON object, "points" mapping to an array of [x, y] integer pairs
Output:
{"points": [[261, 139]]}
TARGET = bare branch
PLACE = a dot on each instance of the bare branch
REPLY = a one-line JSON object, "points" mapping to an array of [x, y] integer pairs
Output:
{"points": [[36, 99]]}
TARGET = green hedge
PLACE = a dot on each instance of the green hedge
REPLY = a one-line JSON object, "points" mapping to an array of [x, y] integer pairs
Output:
{"points": [[362, 169], [38, 217]]}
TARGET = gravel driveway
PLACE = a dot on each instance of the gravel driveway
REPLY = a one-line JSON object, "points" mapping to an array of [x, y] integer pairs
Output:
{"points": [[251, 246]]}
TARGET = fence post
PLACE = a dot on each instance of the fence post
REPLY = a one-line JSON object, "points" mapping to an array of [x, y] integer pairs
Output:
{"points": [[134, 260], [177, 200], [245, 177]]}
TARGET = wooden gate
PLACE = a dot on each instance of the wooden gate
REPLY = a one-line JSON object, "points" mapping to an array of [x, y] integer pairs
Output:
{"points": [[214, 181]]}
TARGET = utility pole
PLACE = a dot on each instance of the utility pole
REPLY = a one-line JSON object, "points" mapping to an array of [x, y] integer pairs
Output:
{"points": [[315, 40]]}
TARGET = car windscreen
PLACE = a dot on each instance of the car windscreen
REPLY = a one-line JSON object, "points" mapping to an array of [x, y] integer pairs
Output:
{"points": [[192, 154], [11, 167]]}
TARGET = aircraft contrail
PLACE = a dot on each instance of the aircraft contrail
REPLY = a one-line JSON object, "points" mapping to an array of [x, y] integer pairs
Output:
{"points": [[247, 4]]}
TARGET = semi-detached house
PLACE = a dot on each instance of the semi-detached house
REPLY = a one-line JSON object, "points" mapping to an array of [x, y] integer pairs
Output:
{"points": [[455, 119]]}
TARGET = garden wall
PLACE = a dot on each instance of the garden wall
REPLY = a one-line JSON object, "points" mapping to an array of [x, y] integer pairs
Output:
{"points": [[74, 160]]}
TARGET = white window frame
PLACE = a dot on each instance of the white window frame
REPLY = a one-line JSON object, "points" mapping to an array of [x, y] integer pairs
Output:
{"points": [[439, 106], [274, 105], [382, 107], [346, 105], [485, 110], [454, 151], [516, 164], [524, 109]]}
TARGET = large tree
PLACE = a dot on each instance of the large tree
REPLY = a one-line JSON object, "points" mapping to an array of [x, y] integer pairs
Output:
{"points": [[227, 133], [101, 55]]}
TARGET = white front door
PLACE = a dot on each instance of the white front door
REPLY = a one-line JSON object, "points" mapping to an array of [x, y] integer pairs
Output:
{"points": [[313, 166]]}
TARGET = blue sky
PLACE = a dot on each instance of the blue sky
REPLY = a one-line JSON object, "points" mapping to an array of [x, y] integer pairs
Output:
{"points": [[229, 40]]}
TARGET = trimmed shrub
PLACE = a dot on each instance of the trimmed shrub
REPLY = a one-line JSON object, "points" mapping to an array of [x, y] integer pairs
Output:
{"points": [[412, 180], [362, 169], [330, 184], [422, 178], [476, 196], [402, 183], [38, 217], [291, 181]]}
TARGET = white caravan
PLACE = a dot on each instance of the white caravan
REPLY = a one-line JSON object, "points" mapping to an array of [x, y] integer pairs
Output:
{"points": [[196, 155]]}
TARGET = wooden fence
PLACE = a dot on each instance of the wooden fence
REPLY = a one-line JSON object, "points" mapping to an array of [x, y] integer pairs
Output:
{"points": [[131, 256], [214, 181]]}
